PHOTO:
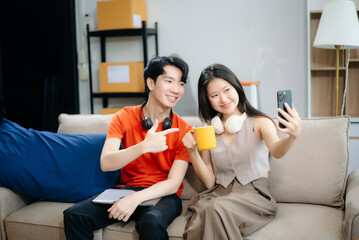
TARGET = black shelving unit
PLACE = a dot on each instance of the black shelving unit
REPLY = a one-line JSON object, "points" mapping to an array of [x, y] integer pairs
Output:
{"points": [[143, 32]]}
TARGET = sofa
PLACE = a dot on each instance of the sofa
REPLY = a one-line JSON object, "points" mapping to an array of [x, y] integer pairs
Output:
{"points": [[316, 197]]}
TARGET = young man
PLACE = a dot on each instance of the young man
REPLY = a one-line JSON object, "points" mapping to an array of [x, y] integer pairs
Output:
{"points": [[153, 159]]}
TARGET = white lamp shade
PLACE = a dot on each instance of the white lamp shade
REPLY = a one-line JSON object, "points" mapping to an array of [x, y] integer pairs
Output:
{"points": [[338, 26]]}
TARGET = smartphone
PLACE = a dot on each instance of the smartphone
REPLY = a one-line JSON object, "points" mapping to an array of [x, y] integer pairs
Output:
{"points": [[284, 96]]}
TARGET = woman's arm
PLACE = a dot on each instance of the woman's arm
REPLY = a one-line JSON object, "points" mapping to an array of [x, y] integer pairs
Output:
{"points": [[202, 165], [278, 147]]}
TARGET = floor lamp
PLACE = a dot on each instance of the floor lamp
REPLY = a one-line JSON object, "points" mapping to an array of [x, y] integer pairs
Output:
{"points": [[338, 29]]}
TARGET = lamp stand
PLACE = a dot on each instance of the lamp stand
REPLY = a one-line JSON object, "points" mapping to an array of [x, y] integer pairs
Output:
{"points": [[337, 47]]}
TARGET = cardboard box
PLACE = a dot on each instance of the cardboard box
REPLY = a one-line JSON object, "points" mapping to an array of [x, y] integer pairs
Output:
{"points": [[110, 110], [122, 77], [121, 14]]}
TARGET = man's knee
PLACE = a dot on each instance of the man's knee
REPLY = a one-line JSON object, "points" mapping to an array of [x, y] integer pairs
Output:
{"points": [[76, 225], [153, 218], [75, 215], [152, 225], [70, 216]]}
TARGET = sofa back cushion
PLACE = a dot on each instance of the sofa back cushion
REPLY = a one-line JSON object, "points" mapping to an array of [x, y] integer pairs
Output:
{"points": [[313, 171], [83, 123], [315, 168]]}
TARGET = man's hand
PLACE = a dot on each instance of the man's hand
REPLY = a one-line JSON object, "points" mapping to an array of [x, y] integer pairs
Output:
{"points": [[156, 141], [123, 208]]}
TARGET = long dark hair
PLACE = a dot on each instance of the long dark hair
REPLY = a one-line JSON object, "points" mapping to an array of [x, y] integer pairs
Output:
{"points": [[206, 112]]}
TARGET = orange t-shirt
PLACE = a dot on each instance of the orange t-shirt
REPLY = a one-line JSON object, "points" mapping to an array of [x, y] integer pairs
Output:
{"points": [[149, 168]]}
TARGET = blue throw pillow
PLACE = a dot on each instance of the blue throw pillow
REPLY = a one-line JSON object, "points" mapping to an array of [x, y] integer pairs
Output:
{"points": [[52, 166]]}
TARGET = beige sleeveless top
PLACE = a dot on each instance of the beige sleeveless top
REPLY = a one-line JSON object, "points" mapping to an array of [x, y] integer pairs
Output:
{"points": [[246, 159]]}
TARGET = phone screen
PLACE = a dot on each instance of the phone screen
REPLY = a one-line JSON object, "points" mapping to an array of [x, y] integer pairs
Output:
{"points": [[284, 96]]}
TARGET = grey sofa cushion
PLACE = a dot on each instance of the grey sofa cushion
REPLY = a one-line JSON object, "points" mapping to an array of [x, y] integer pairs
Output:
{"points": [[83, 123], [323, 145], [192, 185], [41, 218], [37, 219], [302, 221]]}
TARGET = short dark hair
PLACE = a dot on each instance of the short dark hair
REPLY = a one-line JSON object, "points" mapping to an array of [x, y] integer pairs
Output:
{"points": [[155, 68], [205, 110]]}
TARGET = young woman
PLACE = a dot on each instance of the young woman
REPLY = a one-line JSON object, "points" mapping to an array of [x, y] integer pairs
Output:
{"points": [[237, 201]]}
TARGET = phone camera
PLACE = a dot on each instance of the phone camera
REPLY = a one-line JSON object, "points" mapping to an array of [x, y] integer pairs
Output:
{"points": [[282, 96]]}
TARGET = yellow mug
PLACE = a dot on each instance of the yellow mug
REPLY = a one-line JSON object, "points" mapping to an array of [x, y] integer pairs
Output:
{"points": [[205, 137]]}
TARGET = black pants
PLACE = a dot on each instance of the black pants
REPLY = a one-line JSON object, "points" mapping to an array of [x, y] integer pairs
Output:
{"points": [[83, 218]]}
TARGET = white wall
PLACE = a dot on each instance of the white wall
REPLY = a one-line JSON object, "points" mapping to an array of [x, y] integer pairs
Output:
{"points": [[264, 40]]}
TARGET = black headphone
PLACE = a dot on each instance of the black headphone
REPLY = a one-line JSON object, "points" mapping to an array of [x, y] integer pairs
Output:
{"points": [[147, 122]]}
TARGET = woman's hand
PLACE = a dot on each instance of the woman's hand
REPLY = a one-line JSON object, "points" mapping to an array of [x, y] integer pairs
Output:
{"points": [[292, 122], [189, 141]]}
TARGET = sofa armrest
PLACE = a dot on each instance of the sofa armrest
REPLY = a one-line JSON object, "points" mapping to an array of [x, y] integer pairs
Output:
{"points": [[10, 201], [352, 207]]}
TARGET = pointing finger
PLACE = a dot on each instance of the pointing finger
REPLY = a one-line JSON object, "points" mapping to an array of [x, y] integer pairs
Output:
{"points": [[171, 130]]}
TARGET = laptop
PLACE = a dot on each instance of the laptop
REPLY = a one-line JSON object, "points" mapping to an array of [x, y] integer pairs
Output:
{"points": [[110, 196]]}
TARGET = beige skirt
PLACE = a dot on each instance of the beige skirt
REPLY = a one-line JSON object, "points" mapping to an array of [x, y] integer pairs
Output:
{"points": [[230, 213]]}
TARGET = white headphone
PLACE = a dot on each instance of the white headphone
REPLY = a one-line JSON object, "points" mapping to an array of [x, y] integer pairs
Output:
{"points": [[233, 124]]}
